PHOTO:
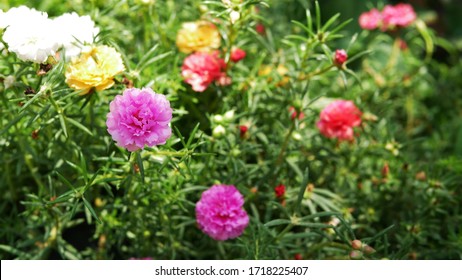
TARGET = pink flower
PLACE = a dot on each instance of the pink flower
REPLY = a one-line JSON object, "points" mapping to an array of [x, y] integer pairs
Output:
{"points": [[370, 20], [340, 57], [139, 117], [220, 213], [338, 119], [400, 15], [237, 54], [201, 69]]}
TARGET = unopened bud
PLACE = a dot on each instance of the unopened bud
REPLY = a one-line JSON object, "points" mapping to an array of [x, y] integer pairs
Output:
{"points": [[340, 57], [356, 255], [421, 176], [234, 16], [385, 170], [218, 131], [218, 119], [357, 244], [368, 250], [228, 116]]}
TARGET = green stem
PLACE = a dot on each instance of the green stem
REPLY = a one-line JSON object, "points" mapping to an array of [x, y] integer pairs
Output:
{"points": [[318, 72], [285, 144]]}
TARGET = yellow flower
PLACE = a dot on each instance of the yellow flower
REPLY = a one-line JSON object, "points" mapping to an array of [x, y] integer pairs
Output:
{"points": [[94, 68], [196, 36], [266, 70]]}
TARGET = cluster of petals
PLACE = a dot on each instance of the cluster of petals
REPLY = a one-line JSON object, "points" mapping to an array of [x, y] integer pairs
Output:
{"points": [[398, 16], [139, 117], [220, 213], [32, 36], [338, 119], [199, 36], [200, 69], [95, 68]]}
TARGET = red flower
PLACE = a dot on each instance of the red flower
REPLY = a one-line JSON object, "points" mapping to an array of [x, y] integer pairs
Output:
{"points": [[260, 28], [237, 54], [201, 69], [280, 190], [298, 256], [340, 57], [338, 119]]}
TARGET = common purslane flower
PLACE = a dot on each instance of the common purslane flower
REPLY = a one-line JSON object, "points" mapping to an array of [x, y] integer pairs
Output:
{"points": [[29, 34], [95, 68], [398, 16], [199, 36], [370, 20], [74, 31], [338, 119], [201, 69], [391, 17], [139, 118], [220, 213]]}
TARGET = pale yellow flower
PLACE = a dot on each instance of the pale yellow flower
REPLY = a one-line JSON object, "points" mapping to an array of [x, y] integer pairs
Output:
{"points": [[197, 36], [94, 68]]}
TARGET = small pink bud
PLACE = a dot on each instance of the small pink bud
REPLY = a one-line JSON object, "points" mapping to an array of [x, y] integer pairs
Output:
{"points": [[340, 57], [356, 255], [368, 250], [385, 170], [357, 244]]}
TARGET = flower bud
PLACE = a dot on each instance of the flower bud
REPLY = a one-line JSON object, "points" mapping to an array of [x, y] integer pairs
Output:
{"points": [[280, 190], [228, 116], [243, 130], [385, 170], [356, 255], [340, 57], [234, 16], [218, 131], [357, 244], [218, 119], [368, 250], [421, 176]]}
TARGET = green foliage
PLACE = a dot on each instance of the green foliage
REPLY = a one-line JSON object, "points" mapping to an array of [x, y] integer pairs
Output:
{"points": [[68, 192]]}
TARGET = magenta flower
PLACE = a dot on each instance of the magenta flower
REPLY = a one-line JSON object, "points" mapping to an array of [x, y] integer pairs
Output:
{"points": [[201, 69], [400, 15], [338, 119], [139, 117], [370, 20], [220, 213]]}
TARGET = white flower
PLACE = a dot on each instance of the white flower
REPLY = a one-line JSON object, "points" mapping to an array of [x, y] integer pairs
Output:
{"points": [[19, 15], [74, 31], [29, 33]]}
